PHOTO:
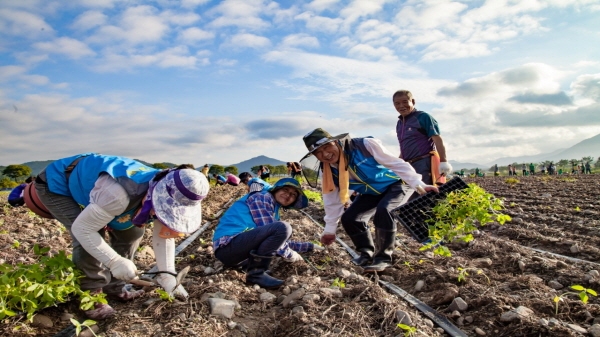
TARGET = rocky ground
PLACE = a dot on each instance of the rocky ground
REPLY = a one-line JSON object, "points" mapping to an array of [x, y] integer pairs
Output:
{"points": [[507, 290]]}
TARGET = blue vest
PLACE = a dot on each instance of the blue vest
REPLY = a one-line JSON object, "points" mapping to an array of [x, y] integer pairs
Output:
{"points": [[413, 132], [132, 175], [373, 178], [266, 186], [238, 219]]}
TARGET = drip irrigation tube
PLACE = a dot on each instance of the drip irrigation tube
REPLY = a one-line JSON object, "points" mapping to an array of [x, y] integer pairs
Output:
{"points": [[439, 319]]}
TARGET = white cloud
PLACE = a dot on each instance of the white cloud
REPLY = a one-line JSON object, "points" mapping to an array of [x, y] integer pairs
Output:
{"points": [[367, 52], [136, 25], [23, 24], [180, 19], [69, 47], [429, 14], [300, 40], [89, 20], [320, 23], [242, 41], [195, 34], [175, 57], [587, 87], [193, 3], [240, 13], [321, 5], [359, 8]]}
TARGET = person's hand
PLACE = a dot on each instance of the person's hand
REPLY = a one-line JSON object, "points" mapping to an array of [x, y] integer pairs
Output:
{"points": [[295, 257], [318, 247], [168, 282], [445, 168], [327, 238], [122, 268], [422, 188]]}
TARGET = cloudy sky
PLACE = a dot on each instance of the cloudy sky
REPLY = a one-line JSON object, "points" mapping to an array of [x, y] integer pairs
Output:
{"points": [[197, 81]]}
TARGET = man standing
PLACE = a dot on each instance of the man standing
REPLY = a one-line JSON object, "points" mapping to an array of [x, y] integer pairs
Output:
{"points": [[421, 144]]}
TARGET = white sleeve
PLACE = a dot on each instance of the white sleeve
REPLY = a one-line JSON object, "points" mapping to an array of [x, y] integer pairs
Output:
{"points": [[333, 210], [107, 200], [164, 249], [384, 157]]}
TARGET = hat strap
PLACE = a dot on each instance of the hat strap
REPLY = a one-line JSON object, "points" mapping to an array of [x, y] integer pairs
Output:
{"points": [[181, 187]]}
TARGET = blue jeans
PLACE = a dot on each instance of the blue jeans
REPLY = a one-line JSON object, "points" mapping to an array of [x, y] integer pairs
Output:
{"points": [[125, 243], [264, 240]]}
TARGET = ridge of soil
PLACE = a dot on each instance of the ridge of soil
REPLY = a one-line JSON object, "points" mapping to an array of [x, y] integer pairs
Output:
{"points": [[560, 214]]}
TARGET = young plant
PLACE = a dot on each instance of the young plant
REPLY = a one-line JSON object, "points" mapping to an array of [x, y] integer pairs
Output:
{"points": [[406, 263], [463, 273], [338, 283], [165, 296], [87, 323], [459, 214], [407, 329], [582, 293], [512, 181]]}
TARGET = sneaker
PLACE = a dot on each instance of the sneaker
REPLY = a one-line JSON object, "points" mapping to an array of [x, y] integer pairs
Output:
{"points": [[100, 312], [128, 293]]}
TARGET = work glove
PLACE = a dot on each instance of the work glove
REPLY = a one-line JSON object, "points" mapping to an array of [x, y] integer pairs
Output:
{"points": [[422, 188], [168, 282], [295, 257], [122, 268], [445, 168], [327, 238], [318, 247]]}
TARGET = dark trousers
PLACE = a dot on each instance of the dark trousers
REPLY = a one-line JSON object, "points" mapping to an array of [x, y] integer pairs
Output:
{"points": [[264, 240], [356, 218]]}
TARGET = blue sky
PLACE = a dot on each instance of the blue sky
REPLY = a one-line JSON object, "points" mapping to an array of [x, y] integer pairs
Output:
{"points": [[198, 81]]}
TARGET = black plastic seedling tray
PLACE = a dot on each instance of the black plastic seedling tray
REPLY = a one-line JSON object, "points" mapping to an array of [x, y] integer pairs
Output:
{"points": [[413, 214]]}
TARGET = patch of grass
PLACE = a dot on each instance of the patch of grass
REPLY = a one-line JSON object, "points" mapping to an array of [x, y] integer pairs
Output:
{"points": [[314, 196]]}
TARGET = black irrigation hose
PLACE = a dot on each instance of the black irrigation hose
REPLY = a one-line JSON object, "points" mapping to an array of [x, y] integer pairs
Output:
{"points": [[439, 319], [69, 331]]}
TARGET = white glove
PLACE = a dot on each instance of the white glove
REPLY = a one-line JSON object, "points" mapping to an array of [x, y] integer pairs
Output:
{"points": [[318, 247], [422, 188], [295, 257], [445, 168], [168, 282], [122, 268]]}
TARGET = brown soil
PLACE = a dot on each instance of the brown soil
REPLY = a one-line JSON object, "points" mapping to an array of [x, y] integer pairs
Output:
{"points": [[556, 214]]}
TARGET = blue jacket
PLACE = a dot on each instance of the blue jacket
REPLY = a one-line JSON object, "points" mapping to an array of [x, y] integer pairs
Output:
{"points": [[373, 178], [132, 175], [238, 219], [265, 185]]}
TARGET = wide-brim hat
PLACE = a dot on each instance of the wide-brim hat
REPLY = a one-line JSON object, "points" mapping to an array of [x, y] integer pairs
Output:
{"points": [[177, 199], [317, 138], [301, 201]]}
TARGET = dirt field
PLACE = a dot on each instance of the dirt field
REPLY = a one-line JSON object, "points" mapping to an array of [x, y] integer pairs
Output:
{"points": [[556, 214]]}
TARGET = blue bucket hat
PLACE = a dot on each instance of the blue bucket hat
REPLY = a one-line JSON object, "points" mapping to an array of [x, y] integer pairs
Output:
{"points": [[301, 201]]}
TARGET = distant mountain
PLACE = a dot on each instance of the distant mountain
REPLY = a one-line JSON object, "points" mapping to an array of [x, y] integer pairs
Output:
{"points": [[37, 166], [585, 148], [456, 165], [246, 165]]}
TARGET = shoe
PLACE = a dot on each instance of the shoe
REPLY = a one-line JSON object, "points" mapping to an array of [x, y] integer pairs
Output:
{"points": [[257, 267], [364, 244], [100, 312], [386, 241]]}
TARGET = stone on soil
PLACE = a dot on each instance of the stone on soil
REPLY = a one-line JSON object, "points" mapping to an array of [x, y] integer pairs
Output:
{"points": [[594, 330], [458, 304], [483, 262], [403, 317], [420, 284], [221, 307], [577, 328], [331, 292], [267, 297], [516, 314], [555, 285], [479, 332], [42, 321], [296, 295]]}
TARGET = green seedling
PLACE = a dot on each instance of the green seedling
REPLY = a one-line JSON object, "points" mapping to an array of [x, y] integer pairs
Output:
{"points": [[87, 323], [463, 273], [582, 293], [421, 261], [577, 208], [338, 283], [407, 329], [459, 214], [406, 263], [512, 181], [165, 296], [16, 244]]}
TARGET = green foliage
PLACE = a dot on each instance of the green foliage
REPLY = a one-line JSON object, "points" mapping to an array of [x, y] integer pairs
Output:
{"points": [[5, 182], [17, 171], [314, 196], [582, 293], [216, 169], [160, 166], [407, 329], [458, 215], [512, 181], [280, 169], [231, 169], [165, 296], [32, 287], [87, 323], [338, 283], [463, 273]]}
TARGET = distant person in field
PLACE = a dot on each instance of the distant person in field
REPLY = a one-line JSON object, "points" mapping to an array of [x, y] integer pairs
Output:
{"points": [[514, 170], [232, 179], [524, 169], [420, 141], [15, 197], [119, 197], [251, 233], [205, 169], [531, 169], [378, 180], [263, 172], [294, 169], [254, 184], [219, 179], [496, 170], [510, 172], [588, 168]]}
